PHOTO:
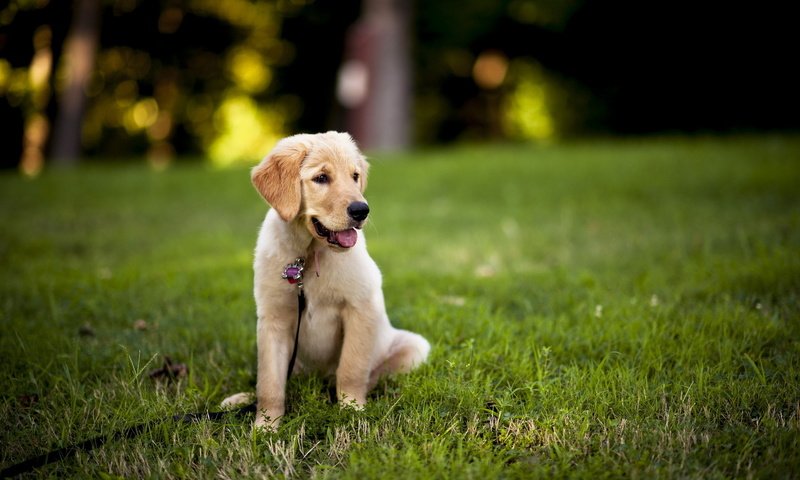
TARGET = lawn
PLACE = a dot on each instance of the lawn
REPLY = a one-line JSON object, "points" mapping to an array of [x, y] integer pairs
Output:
{"points": [[606, 308]]}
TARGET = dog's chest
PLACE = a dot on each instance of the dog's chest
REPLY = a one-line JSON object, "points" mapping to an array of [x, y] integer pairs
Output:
{"points": [[334, 282], [321, 331], [321, 336]]}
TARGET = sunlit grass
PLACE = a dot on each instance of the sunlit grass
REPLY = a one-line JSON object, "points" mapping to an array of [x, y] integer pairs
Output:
{"points": [[604, 308]]}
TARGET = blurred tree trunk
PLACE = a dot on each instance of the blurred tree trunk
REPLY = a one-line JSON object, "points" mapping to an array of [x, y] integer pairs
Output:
{"points": [[79, 53], [375, 80], [37, 125]]}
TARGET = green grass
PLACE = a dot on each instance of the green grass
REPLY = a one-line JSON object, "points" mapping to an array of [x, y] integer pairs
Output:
{"points": [[617, 308]]}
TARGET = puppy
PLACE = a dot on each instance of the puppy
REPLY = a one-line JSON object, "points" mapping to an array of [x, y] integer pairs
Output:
{"points": [[315, 185]]}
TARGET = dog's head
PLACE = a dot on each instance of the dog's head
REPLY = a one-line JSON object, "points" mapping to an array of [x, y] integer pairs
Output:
{"points": [[319, 180]]}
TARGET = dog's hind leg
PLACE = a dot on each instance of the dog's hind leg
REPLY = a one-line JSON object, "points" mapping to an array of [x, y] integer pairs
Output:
{"points": [[407, 351]]}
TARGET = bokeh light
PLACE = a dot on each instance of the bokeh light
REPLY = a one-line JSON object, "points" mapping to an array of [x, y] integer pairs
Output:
{"points": [[245, 131], [526, 112]]}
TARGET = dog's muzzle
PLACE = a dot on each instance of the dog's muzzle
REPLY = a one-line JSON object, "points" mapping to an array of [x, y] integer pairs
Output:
{"points": [[343, 238], [358, 212]]}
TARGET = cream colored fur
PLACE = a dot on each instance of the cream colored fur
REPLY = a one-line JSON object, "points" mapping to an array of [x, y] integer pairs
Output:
{"points": [[345, 331]]}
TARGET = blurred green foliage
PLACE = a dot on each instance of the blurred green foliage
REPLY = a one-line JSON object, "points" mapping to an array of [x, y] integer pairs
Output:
{"points": [[226, 80], [194, 76]]}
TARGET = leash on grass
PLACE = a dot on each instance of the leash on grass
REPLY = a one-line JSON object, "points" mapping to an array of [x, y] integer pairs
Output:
{"points": [[126, 433], [294, 274]]}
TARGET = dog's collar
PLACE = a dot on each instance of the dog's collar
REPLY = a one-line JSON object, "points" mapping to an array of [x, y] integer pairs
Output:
{"points": [[293, 272]]}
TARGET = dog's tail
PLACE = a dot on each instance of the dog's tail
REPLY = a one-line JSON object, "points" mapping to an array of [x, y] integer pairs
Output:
{"points": [[236, 400]]}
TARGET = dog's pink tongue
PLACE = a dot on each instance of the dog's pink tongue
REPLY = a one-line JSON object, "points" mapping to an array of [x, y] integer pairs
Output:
{"points": [[346, 238]]}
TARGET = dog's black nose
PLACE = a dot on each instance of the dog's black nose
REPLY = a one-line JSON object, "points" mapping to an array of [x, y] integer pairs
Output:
{"points": [[358, 211]]}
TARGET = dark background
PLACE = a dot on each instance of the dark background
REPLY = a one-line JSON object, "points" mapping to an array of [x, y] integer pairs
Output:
{"points": [[624, 67]]}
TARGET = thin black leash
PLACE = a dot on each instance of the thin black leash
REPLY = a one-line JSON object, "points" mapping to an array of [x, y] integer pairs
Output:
{"points": [[295, 278], [293, 273], [126, 433]]}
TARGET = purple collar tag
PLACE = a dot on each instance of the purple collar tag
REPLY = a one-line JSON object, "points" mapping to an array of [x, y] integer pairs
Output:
{"points": [[293, 273]]}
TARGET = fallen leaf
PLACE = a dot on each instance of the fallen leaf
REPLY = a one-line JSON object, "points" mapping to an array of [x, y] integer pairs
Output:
{"points": [[27, 401], [170, 371], [86, 330]]}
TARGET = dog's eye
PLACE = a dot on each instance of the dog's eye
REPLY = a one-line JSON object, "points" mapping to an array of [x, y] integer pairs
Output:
{"points": [[356, 176], [321, 179]]}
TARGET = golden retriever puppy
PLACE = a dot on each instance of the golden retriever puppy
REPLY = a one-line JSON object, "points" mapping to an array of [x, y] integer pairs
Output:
{"points": [[315, 185]]}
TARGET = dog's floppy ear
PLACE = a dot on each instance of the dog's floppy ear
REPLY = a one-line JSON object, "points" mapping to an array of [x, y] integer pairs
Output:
{"points": [[277, 177]]}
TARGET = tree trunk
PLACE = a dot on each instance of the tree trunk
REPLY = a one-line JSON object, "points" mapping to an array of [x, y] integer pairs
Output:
{"points": [[375, 80], [79, 53]]}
